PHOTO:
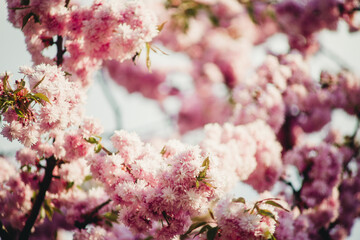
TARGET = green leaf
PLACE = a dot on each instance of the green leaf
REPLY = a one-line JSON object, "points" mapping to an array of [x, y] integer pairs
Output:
{"points": [[166, 217], [149, 238], [197, 183], [5, 82], [88, 178], [98, 148], [19, 113], [22, 83], [42, 97], [266, 213], [203, 229], [69, 185], [18, 90], [48, 209], [202, 174], [163, 151], [239, 200], [91, 140], [275, 204], [42, 213], [272, 237], [194, 226], [268, 235], [214, 20], [57, 210], [111, 216], [38, 83], [67, 2], [161, 26], [208, 184], [108, 223], [211, 233], [148, 62], [206, 163]]}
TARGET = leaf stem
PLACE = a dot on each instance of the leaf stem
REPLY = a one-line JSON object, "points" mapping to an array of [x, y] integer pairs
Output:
{"points": [[91, 217]]}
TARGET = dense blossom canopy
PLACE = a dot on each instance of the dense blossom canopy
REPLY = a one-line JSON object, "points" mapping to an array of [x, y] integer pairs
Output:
{"points": [[253, 123]]}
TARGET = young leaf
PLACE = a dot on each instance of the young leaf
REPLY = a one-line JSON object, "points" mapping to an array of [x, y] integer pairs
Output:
{"points": [[111, 216], [161, 26], [240, 200], [197, 183], [57, 210], [87, 178], [166, 217], [148, 62], [208, 184], [69, 185], [155, 49], [98, 148], [269, 235], [212, 232], [48, 209], [266, 213], [42, 97], [203, 229], [91, 140], [38, 83], [163, 151], [194, 226], [5, 82], [272, 237], [19, 113], [275, 204]]}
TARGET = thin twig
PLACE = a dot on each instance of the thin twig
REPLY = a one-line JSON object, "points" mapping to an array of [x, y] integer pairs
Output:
{"points": [[91, 217], [334, 57], [111, 100]]}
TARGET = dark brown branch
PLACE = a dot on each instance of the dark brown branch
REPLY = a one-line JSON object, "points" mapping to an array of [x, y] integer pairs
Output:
{"points": [[91, 217], [60, 50], [44, 186]]}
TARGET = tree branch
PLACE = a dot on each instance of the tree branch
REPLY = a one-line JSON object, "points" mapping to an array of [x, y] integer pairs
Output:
{"points": [[60, 50], [111, 100], [44, 186], [91, 217]]}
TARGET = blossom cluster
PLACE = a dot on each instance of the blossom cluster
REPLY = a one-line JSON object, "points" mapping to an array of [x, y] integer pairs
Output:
{"points": [[87, 34], [252, 123]]}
